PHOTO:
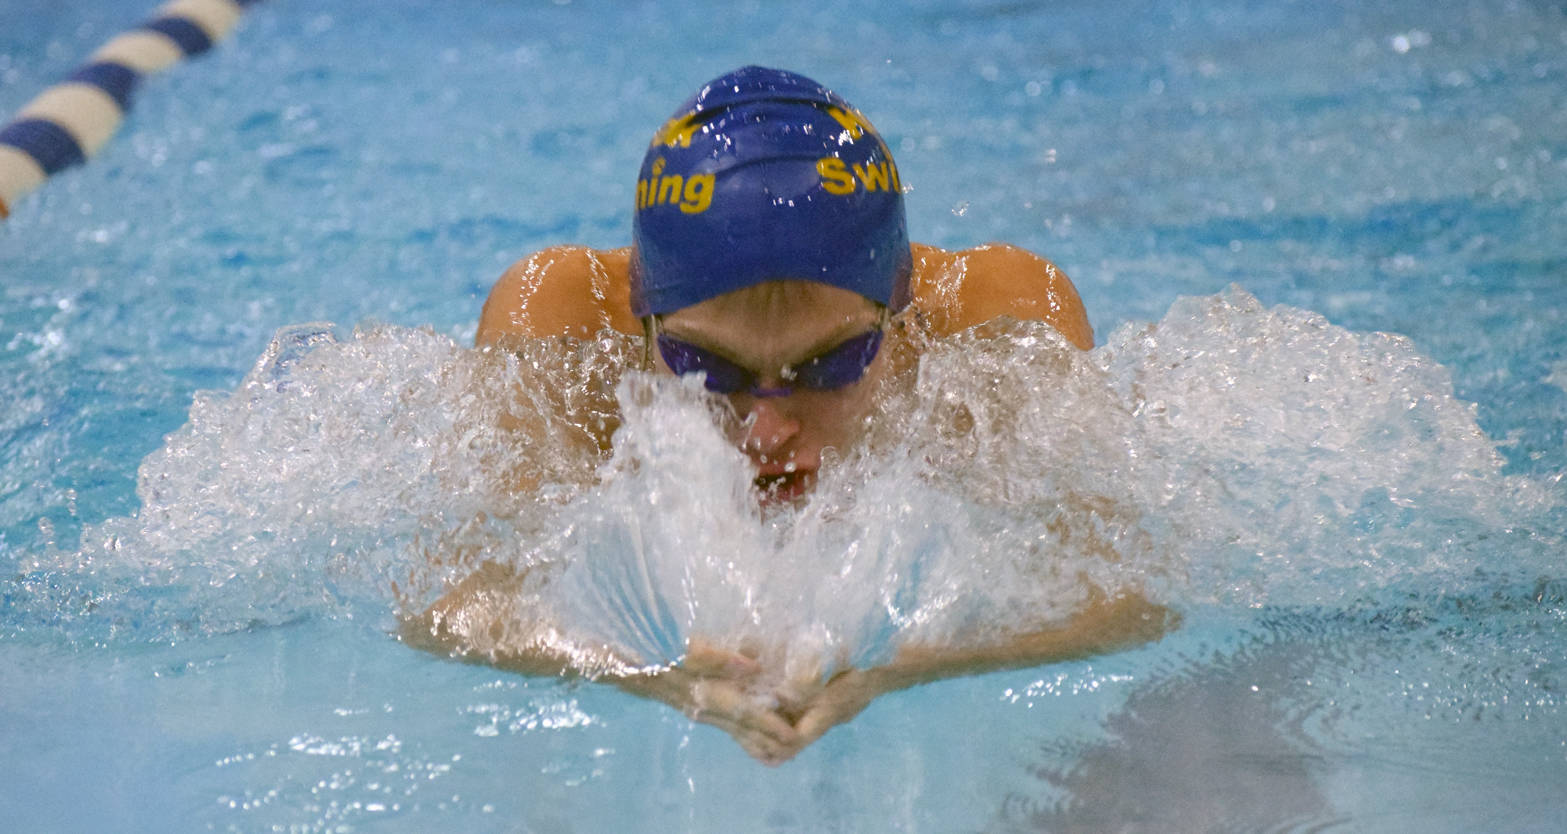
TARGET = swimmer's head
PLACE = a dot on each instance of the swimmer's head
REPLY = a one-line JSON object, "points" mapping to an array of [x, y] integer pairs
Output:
{"points": [[766, 175]]}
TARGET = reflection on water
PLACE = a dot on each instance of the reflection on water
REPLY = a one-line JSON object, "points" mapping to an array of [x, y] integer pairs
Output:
{"points": [[1214, 750], [1441, 714]]}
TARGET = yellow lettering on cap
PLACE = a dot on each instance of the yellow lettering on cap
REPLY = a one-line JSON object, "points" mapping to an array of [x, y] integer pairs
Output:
{"points": [[873, 176], [677, 131], [699, 193], [669, 189], [835, 176], [693, 193], [855, 123]]}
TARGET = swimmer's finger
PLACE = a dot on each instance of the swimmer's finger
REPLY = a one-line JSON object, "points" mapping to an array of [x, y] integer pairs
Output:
{"points": [[767, 748], [844, 697], [719, 698], [760, 731], [804, 680], [796, 696], [756, 713], [763, 747], [751, 719]]}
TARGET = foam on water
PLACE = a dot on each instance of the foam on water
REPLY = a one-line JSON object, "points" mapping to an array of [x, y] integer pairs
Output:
{"points": [[1310, 464], [1228, 456]]}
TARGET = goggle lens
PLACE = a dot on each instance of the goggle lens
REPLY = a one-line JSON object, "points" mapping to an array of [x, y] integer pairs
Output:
{"points": [[837, 367]]}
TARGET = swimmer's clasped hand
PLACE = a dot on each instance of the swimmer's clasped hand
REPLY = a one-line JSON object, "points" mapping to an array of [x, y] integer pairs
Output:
{"points": [[718, 687]]}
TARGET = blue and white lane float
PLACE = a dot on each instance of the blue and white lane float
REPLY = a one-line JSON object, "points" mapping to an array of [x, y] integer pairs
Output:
{"points": [[69, 122]]}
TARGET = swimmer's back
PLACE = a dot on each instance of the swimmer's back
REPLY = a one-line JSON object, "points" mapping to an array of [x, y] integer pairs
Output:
{"points": [[577, 291]]}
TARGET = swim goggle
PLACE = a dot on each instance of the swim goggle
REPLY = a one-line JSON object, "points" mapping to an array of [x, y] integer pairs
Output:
{"points": [[837, 367]]}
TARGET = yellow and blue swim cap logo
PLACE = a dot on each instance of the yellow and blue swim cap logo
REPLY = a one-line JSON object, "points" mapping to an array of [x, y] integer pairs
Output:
{"points": [[692, 193], [766, 175]]}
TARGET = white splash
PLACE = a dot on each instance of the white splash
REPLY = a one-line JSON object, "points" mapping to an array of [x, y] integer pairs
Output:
{"points": [[1227, 455]]}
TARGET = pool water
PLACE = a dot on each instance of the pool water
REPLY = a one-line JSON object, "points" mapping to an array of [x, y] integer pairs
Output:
{"points": [[1323, 250]]}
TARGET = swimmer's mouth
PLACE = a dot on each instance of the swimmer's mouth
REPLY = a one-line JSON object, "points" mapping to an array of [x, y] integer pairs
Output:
{"points": [[782, 487]]}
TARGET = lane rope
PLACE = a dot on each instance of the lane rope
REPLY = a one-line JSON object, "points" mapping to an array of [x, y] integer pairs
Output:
{"points": [[68, 123]]}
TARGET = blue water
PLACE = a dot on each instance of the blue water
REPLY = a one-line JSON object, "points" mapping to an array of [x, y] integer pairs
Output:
{"points": [[1370, 569]]}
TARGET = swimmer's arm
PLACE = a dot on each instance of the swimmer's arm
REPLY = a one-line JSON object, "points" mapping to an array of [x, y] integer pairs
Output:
{"points": [[1105, 625], [473, 622], [958, 290], [478, 622], [559, 291]]}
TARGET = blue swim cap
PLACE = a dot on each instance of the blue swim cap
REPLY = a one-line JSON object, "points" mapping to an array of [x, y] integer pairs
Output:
{"points": [[766, 175]]}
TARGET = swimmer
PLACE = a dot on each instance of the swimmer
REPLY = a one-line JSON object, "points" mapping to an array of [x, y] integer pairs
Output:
{"points": [[769, 255]]}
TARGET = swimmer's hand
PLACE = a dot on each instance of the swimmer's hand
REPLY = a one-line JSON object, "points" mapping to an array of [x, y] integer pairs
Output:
{"points": [[480, 621], [718, 687], [477, 622], [1104, 625]]}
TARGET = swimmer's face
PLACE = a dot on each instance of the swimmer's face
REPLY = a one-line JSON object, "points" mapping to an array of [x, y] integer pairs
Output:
{"points": [[766, 329]]}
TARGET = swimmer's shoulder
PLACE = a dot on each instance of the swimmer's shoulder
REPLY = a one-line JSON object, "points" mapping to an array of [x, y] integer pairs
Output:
{"points": [[560, 291], [954, 291]]}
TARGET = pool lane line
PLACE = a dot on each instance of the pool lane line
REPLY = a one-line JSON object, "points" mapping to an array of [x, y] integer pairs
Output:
{"points": [[69, 122]]}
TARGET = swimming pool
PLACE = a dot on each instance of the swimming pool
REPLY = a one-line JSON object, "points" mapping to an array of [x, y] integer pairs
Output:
{"points": [[1371, 574]]}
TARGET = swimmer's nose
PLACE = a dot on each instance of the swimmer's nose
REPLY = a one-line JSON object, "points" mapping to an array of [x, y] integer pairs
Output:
{"points": [[768, 428]]}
